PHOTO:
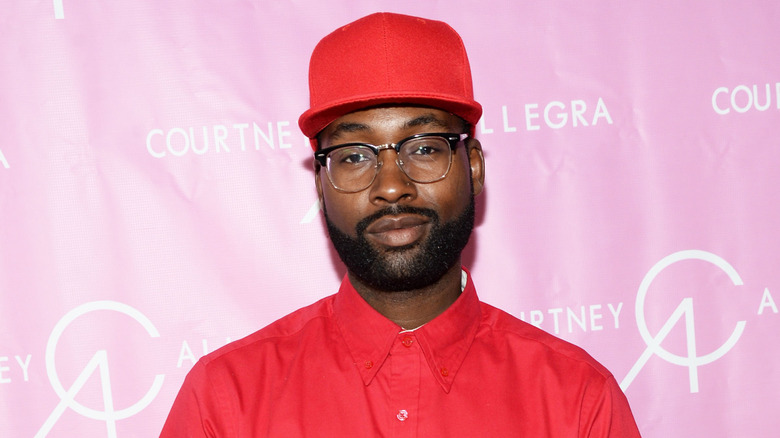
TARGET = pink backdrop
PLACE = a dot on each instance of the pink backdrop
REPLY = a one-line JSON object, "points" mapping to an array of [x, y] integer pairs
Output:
{"points": [[156, 197]]}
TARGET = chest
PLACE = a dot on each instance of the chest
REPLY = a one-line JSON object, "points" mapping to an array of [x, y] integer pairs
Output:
{"points": [[325, 396]]}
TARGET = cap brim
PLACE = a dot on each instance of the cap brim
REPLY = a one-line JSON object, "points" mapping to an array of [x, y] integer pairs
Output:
{"points": [[316, 119]]}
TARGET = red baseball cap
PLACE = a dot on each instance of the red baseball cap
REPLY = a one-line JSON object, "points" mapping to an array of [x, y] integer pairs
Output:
{"points": [[388, 58]]}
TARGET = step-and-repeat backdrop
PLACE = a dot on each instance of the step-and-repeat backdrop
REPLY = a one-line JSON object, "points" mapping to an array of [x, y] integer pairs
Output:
{"points": [[157, 198]]}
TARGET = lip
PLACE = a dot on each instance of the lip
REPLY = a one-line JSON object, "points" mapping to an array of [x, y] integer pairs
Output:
{"points": [[396, 231]]}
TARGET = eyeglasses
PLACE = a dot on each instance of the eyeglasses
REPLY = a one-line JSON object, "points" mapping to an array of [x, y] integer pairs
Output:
{"points": [[424, 158]]}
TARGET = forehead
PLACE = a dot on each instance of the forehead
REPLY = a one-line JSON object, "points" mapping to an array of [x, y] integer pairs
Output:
{"points": [[388, 121]]}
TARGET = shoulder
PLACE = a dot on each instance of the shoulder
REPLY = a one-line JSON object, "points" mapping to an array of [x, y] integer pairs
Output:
{"points": [[554, 373], [285, 330], [537, 345], [243, 375]]}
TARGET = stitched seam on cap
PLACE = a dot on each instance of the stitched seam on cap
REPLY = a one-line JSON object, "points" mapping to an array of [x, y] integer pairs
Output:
{"points": [[466, 67], [387, 56]]}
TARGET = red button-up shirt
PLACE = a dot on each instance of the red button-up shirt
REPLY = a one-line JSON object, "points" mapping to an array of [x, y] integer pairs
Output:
{"points": [[338, 368]]}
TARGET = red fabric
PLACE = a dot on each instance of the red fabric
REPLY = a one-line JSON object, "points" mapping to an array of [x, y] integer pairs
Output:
{"points": [[338, 368], [388, 58]]}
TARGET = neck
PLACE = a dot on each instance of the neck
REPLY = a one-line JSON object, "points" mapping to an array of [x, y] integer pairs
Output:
{"points": [[413, 308]]}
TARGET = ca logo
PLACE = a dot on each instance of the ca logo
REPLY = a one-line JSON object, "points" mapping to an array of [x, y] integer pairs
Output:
{"points": [[684, 310], [99, 362]]}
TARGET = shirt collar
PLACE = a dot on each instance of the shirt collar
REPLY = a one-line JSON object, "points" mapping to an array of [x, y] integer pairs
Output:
{"points": [[444, 341]]}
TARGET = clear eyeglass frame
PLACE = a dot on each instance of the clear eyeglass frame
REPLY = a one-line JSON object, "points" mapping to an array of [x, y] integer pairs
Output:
{"points": [[324, 158]]}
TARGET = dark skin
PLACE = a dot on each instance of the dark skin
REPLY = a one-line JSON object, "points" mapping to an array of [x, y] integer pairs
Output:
{"points": [[448, 197]]}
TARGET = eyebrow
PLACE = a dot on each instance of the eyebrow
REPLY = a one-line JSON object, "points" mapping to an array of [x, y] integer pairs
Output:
{"points": [[423, 120], [345, 127], [426, 119]]}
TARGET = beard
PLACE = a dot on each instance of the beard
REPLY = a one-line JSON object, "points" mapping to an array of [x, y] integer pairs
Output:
{"points": [[407, 267]]}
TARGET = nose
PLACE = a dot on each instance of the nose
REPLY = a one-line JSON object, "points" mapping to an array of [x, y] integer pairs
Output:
{"points": [[391, 184]]}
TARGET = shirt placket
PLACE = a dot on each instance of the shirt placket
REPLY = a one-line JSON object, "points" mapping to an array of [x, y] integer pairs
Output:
{"points": [[405, 360]]}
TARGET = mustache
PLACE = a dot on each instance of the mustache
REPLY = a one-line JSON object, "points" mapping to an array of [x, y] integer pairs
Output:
{"points": [[393, 210]]}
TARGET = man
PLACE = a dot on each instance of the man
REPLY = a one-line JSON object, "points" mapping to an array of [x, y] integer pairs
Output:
{"points": [[404, 348]]}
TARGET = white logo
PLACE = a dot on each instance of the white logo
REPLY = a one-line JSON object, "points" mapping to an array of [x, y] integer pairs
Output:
{"points": [[219, 139], [59, 10], [3, 161], [684, 309], [312, 213], [556, 115], [743, 98], [99, 361]]}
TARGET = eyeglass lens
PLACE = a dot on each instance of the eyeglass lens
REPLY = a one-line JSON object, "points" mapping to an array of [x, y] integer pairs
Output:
{"points": [[422, 159]]}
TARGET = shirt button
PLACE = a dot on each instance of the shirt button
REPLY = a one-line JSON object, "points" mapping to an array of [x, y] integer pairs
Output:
{"points": [[368, 364], [407, 341], [402, 415], [445, 372]]}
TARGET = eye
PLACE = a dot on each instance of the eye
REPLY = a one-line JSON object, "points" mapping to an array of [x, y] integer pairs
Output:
{"points": [[425, 147], [351, 156], [354, 158]]}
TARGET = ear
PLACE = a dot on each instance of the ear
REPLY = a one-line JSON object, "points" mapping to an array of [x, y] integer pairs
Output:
{"points": [[477, 164]]}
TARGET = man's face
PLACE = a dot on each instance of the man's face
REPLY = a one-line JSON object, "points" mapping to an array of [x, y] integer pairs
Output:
{"points": [[398, 234]]}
